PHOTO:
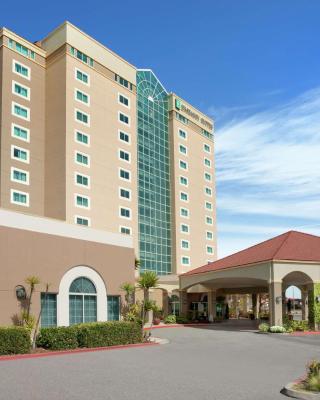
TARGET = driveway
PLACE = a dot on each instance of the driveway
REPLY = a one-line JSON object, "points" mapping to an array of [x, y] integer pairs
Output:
{"points": [[199, 363]]}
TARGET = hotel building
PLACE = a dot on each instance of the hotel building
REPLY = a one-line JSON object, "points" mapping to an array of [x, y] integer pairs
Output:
{"points": [[88, 139]]}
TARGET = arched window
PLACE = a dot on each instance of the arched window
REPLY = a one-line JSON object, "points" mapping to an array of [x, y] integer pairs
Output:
{"points": [[82, 301]]}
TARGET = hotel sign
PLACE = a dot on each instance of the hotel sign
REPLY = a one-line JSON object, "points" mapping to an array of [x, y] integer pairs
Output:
{"points": [[192, 114]]}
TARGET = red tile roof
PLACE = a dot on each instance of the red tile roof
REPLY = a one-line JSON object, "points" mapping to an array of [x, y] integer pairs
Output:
{"points": [[292, 245]]}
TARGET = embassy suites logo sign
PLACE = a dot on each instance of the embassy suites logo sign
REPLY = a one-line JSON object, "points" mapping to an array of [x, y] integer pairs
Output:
{"points": [[181, 107]]}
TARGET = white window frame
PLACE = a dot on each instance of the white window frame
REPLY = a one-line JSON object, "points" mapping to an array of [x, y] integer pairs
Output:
{"points": [[126, 97], [123, 179], [24, 87], [84, 196], [186, 153], [126, 133], [185, 248], [125, 227], [82, 133], [121, 122], [207, 252], [81, 216], [125, 208], [207, 223], [206, 144], [24, 66], [27, 161], [211, 205], [207, 235], [185, 201], [83, 154], [81, 122], [27, 182], [124, 198], [182, 263], [181, 231], [13, 104], [122, 159], [210, 195], [79, 101], [183, 216], [79, 184], [205, 177], [204, 162], [186, 138], [78, 80], [182, 184], [183, 169], [27, 204], [13, 125]]}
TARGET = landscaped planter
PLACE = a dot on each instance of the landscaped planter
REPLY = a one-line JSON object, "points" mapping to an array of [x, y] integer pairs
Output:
{"points": [[292, 390]]}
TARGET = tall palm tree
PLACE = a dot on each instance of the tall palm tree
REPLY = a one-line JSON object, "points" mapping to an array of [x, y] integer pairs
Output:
{"points": [[146, 281]]}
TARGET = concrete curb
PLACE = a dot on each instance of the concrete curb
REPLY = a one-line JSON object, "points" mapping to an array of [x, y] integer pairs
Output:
{"points": [[290, 391]]}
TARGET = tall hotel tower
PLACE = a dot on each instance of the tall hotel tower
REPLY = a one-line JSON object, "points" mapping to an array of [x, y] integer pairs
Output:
{"points": [[89, 139]]}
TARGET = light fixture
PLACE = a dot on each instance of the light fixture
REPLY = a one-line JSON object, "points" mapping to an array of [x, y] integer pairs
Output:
{"points": [[21, 292]]}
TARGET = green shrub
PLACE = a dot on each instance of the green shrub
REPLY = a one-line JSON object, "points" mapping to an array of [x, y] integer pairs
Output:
{"points": [[170, 319], [14, 340], [277, 329], [264, 327], [181, 320], [112, 333], [312, 381], [58, 338]]}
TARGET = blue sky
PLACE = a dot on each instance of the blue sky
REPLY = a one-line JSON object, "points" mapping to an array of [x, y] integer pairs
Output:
{"points": [[253, 65]]}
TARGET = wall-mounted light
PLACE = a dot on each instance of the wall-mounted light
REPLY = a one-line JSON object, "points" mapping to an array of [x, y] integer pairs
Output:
{"points": [[21, 292], [278, 299]]}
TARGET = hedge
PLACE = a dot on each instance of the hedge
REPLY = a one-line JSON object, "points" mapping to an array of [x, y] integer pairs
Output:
{"points": [[14, 340], [94, 334]]}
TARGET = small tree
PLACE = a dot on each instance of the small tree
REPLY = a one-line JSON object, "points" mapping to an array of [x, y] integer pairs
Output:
{"points": [[27, 319], [129, 290], [146, 281]]}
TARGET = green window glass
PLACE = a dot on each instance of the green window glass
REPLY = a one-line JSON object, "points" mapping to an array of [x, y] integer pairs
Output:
{"points": [[182, 149], [82, 138], [11, 43], [20, 90], [113, 306], [184, 212], [124, 118], [82, 159], [21, 154], [125, 212], [185, 260], [82, 201], [22, 49], [81, 76], [20, 197], [182, 134], [183, 164], [209, 220], [82, 117], [154, 192], [184, 244], [82, 97], [125, 231], [207, 162], [124, 137], [19, 176], [125, 193], [123, 100], [20, 133], [208, 191], [207, 148], [82, 221], [209, 250], [48, 310], [207, 177], [20, 111], [183, 181], [209, 235], [124, 174], [32, 54], [208, 206], [82, 301], [124, 155], [182, 119], [82, 180], [184, 228], [183, 196], [21, 70]]}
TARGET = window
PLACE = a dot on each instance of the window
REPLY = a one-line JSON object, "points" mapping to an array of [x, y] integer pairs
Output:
{"points": [[209, 250], [20, 111], [48, 310], [82, 201], [82, 138], [82, 76], [82, 159], [20, 90], [20, 198], [209, 220], [207, 134], [21, 69], [182, 119], [123, 100], [124, 174], [208, 205], [125, 193], [183, 181], [82, 117], [125, 212], [182, 149], [125, 230], [81, 56], [20, 133], [82, 97], [184, 228], [209, 235], [20, 154], [124, 118], [124, 155], [23, 50], [185, 260], [184, 212], [207, 148], [82, 180], [208, 191], [183, 165], [183, 196], [185, 244], [82, 221], [20, 176], [207, 162], [113, 305], [82, 301], [123, 82], [182, 134], [207, 177], [124, 137]]}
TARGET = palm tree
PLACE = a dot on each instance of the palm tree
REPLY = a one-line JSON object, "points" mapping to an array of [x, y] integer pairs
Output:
{"points": [[32, 281], [146, 281], [137, 263], [129, 290]]}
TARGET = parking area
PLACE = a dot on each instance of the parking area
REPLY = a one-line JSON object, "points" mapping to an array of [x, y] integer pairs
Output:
{"points": [[213, 363]]}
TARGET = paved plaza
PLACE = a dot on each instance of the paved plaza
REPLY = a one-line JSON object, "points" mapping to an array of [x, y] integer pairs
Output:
{"points": [[226, 362]]}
